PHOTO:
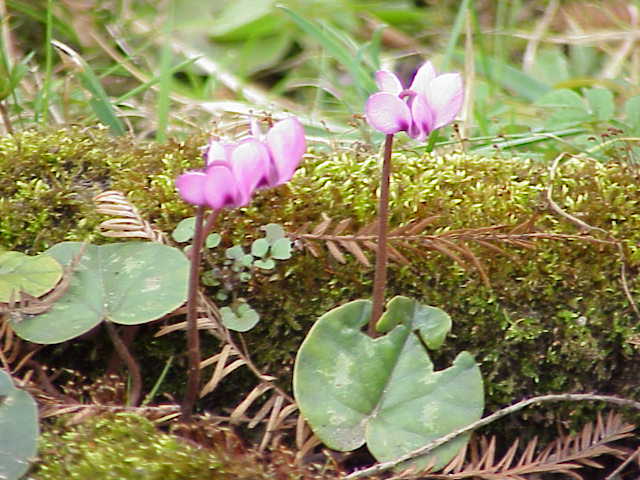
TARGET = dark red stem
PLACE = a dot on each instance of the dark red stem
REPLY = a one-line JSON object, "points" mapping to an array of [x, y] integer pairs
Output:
{"points": [[380, 278], [193, 338]]}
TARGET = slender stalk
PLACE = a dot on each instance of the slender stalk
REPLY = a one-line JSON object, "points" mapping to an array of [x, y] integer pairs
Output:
{"points": [[193, 339], [132, 366], [5, 118], [209, 223], [380, 278]]}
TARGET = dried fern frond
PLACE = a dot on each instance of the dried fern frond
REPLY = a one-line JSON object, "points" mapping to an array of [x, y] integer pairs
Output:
{"points": [[413, 239], [564, 455], [127, 221], [273, 408]]}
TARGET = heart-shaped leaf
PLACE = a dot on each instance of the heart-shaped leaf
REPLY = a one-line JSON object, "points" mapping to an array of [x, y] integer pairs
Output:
{"points": [[241, 319], [22, 273], [18, 429], [127, 283], [354, 389]]}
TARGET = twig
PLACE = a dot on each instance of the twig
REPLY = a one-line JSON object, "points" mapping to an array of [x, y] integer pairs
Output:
{"points": [[622, 466], [586, 227], [429, 447], [45, 381], [623, 280], [556, 208], [132, 365]]}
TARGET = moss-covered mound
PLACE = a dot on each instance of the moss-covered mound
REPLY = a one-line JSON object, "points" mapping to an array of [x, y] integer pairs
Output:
{"points": [[555, 317], [125, 445], [121, 446]]}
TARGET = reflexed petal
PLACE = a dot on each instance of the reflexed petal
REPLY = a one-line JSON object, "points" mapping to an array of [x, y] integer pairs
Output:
{"points": [[425, 74], [191, 187], [251, 164], [287, 145], [388, 82], [445, 98], [221, 189], [219, 152], [387, 113], [423, 118]]}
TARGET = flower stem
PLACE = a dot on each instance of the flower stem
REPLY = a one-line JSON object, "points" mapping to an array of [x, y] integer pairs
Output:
{"points": [[380, 278], [193, 339], [134, 369]]}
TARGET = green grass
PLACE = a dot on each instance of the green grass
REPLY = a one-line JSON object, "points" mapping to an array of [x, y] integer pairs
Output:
{"points": [[297, 59]]}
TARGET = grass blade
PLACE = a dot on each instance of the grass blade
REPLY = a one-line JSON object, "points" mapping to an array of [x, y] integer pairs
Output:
{"points": [[99, 101], [456, 31], [164, 92], [337, 49]]}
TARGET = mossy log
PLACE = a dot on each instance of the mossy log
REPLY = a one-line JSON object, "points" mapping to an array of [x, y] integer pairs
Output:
{"points": [[550, 315]]}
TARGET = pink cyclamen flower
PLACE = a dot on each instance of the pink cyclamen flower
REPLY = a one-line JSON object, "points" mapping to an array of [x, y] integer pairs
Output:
{"points": [[235, 170], [431, 102]]}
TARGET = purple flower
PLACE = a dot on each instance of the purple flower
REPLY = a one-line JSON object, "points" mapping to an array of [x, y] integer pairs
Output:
{"points": [[431, 102], [235, 170]]}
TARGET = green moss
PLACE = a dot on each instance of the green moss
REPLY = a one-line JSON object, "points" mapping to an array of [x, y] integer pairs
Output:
{"points": [[121, 446], [128, 446], [555, 318]]}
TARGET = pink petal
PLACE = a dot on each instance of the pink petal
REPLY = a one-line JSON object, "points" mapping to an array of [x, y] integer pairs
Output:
{"points": [[425, 74], [251, 163], [221, 189], [387, 113], [191, 187], [388, 82], [218, 152], [445, 98], [423, 118], [286, 145], [255, 129]]}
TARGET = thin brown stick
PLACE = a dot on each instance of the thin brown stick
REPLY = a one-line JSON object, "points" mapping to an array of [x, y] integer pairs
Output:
{"points": [[128, 337], [429, 447], [193, 337], [586, 227], [45, 382], [380, 277], [623, 465], [6, 119], [556, 208], [132, 365]]}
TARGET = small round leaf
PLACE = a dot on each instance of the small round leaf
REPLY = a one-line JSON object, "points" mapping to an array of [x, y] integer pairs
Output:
{"points": [[243, 319], [234, 253], [259, 247], [184, 230], [267, 264], [213, 240], [273, 232], [281, 249]]}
